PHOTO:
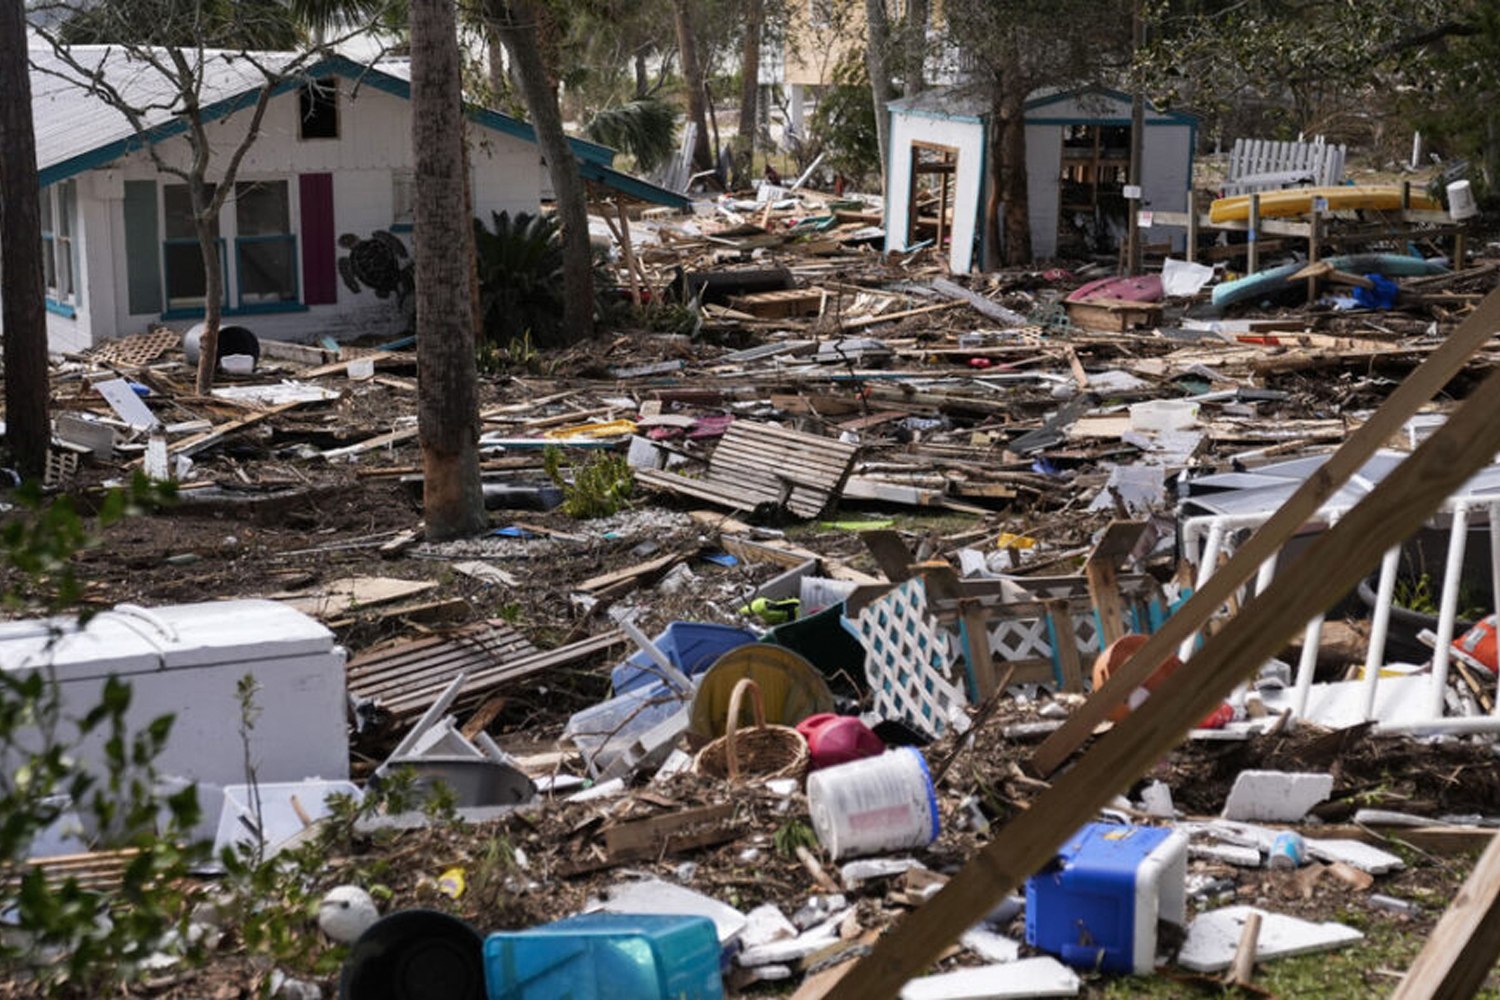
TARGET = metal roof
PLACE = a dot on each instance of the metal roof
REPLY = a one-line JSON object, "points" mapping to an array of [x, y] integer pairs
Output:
{"points": [[78, 130]]}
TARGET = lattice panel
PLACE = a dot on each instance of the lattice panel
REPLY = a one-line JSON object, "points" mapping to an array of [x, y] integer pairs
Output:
{"points": [[140, 349], [910, 661]]}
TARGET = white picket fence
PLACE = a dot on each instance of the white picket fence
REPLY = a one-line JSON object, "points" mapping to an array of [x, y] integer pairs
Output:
{"points": [[1264, 165]]}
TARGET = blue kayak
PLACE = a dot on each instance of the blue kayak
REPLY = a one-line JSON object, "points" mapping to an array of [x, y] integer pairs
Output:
{"points": [[1277, 279]]}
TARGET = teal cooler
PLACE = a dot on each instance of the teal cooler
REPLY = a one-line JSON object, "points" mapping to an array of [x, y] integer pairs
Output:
{"points": [[1096, 905], [606, 956]]}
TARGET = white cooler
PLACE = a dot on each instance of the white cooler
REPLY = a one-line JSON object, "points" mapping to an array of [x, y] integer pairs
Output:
{"points": [[187, 660]]}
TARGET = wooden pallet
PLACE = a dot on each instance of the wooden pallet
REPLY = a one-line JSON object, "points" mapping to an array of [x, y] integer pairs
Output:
{"points": [[780, 304], [406, 677], [99, 870], [757, 464]]}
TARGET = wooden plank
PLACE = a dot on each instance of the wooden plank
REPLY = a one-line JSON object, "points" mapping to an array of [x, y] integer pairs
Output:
{"points": [[649, 838], [632, 573], [1415, 390], [890, 552], [1104, 591], [198, 442], [1060, 613], [1326, 570], [1463, 946]]}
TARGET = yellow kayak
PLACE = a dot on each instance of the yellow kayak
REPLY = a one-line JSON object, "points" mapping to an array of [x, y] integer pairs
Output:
{"points": [[1299, 201]]}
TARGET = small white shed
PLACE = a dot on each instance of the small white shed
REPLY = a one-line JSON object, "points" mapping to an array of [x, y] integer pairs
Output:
{"points": [[1077, 161]]}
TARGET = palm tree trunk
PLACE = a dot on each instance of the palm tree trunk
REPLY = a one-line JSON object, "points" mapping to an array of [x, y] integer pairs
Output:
{"points": [[495, 62], [692, 78], [448, 402], [24, 320], [755, 15], [516, 21], [918, 13], [877, 51]]}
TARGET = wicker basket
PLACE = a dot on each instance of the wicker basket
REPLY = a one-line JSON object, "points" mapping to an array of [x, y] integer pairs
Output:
{"points": [[762, 753]]}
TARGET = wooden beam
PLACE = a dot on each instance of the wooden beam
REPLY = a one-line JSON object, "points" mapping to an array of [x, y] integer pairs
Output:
{"points": [[890, 552], [1068, 663], [1463, 946], [1416, 389], [1325, 571]]}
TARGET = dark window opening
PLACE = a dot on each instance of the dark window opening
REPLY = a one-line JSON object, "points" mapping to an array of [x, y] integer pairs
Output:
{"points": [[318, 107]]}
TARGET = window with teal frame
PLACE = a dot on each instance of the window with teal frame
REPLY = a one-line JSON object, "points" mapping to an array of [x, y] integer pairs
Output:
{"points": [[265, 249]]}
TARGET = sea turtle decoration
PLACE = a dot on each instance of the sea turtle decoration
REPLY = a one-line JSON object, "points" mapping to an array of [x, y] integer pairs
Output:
{"points": [[380, 263]]}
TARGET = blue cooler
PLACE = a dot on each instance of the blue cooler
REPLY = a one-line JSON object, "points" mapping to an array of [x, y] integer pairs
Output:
{"points": [[691, 646], [1096, 905], [606, 956]]}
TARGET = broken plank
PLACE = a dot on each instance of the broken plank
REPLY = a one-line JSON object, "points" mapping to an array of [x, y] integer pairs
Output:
{"points": [[632, 574], [1462, 948], [649, 838], [986, 308], [198, 442]]}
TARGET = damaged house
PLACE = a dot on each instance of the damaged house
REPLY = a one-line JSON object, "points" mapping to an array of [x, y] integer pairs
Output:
{"points": [[1077, 163], [314, 238]]}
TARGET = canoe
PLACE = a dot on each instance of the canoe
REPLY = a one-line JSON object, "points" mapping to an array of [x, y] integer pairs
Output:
{"points": [[1278, 279], [1298, 201]]}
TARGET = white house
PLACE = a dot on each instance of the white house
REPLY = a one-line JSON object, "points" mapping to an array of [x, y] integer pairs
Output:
{"points": [[331, 168], [1077, 160]]}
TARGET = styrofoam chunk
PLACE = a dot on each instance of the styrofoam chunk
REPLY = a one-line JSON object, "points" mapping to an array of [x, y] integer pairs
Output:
{"points": [[766, 924], [1276, 796], [1213, 937], [1355, 853], [783, 952], [1229, 854], [656, 896], [1031, 977], [990, 946]]}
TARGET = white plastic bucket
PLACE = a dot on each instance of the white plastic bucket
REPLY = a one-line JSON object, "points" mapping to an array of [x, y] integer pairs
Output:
{"points": [[1461, 204], [878, 804]]}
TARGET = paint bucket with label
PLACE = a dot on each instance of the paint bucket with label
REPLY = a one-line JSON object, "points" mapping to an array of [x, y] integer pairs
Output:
{"points": [[884, 803], [1288, 850], [1461, 203]]}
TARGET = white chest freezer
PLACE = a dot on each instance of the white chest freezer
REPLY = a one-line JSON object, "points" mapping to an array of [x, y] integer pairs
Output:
{"points": [[186, 660]]}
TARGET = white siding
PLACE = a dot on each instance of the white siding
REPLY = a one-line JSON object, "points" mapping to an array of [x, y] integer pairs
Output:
{"points": [[374, 141], [968, 139]]}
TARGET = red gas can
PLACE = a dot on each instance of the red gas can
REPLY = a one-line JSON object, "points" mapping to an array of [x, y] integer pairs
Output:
{"points": [[838, 739]]}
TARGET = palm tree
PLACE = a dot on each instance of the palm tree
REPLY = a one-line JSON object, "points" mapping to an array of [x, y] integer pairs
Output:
{"points": [[515, 21], [448, 404], [24, 319]]}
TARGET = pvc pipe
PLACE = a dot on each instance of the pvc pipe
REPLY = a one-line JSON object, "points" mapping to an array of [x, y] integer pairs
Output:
{"points": [[1266, 575], [1205, 570], [1307, 666], [1457, 725], [1380, 627], [1448, 609]]}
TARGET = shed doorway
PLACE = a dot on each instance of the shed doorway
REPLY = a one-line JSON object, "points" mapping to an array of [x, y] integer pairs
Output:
{"points": [[929, 200], [1092, 211]]}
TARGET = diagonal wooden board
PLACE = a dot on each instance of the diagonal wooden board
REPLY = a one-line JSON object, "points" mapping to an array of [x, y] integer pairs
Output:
{"points": [[1417, 388], [1327, 569], [1463, 946]]}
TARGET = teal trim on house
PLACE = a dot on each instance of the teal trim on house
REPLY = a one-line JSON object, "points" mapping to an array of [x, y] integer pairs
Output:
{"points": [[595, 161], [61, 309], [255, 309]]}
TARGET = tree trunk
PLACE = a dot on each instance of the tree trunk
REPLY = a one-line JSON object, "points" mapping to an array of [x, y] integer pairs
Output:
{"points": [[448, 403], [24, 319], [692, 79], [495, 62], [642, 78], [213, 287], [918, 13], [750, 86], [1008, 208], [517, 24], [877, 50]]}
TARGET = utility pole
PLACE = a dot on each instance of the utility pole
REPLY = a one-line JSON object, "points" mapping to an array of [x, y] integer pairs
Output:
{"points": [[1137, 144], [24, 317]]}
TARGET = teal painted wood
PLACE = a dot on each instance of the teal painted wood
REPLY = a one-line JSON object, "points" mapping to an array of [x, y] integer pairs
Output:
{"points": [[142, 248]]}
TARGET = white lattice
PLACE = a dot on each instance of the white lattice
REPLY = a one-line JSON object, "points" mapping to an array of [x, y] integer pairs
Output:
{"points": [[910, 661]]}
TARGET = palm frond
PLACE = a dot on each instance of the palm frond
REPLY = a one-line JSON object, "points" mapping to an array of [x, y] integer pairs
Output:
{"points": [[646, 128]]}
